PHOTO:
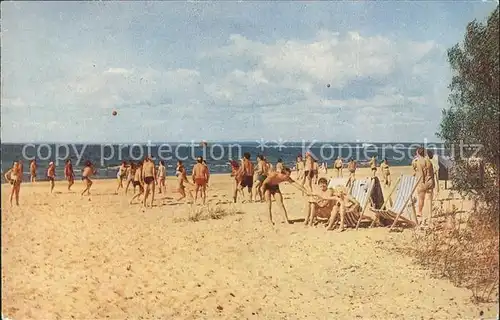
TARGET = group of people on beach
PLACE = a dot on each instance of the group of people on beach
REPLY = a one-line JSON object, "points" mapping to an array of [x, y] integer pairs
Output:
{"points": [[261, 180]]}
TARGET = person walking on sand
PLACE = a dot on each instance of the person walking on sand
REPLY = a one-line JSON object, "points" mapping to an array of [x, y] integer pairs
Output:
{"points": [[121, 175], [351, 167], [148, 176], [270, 187], [69, 174], [386, 173], [162, 176], [236, 174], [181, 181], [338, 165], [33, 168], [373, 165], [13, 177], [200, 179], [247, 172], [425, 187], [130, 176], [137, 182], [51, 175], [261, 174], [87, 172], [299, 166], [308, 172]]}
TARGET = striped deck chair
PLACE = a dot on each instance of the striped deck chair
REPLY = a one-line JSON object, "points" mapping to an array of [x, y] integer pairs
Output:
{"points": [[404, 188], [361, 191]]}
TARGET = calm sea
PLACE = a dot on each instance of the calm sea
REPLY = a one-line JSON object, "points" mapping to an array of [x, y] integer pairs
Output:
{"points": [[108, 157]]}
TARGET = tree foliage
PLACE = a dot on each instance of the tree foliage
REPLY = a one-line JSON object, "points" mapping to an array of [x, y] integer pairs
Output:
{"points": [[474, 113]]}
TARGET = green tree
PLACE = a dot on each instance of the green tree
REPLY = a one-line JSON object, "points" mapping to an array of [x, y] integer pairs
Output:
{"points": [[474, 113]]}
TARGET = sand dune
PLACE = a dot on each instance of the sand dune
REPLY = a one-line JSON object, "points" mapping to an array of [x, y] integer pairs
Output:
{"points": [[68, 257]]}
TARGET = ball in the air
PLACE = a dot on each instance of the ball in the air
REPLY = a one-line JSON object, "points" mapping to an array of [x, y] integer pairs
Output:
{"points": [[115, 113], [328, 85]]}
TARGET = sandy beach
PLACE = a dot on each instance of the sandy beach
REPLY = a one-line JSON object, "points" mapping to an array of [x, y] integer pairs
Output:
{"points": [[70, 257]]}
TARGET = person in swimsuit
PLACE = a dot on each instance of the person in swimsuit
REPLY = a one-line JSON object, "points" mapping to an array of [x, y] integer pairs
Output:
{"points": [[261, 175], [69, 174], [320, 208], [13, 177], [386, 173], [338, 165], [200, 179], [425, 187], [130, 176], [138, 182], [315, 171], [308, 172], [51, 175], [373, 165], [235, 173], [270, 187], [87, 172], [246, 171], [121, 175], [351, 167], [181, 180], [300, 167], [33, 168], [279, 166], [435, 165], [162, 176], [148, 176]]}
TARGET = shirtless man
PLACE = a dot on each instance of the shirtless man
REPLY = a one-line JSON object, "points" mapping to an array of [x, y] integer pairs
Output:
{"points": [[246, 171], [315, 171], [138, 182], [386, 173], [13, 177], [351, 167], [33, 168], [148, 176], [69, 174], [182, 179], [236, 174], [435, 165], [51, 175], [121, 175], [200, 179], [373, 165], [319, 207], [87, 172], [425, 171], [338, 166], [261, 172], [162, 176], [270, 187], [308, 172]]}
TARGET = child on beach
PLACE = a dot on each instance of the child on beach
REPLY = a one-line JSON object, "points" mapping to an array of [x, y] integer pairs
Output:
{"points": [[270, 187], [121, 175], [51, 175], [87, 172], [181, 180]]}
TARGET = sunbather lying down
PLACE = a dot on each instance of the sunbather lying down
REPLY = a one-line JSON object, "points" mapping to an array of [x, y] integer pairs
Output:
{"points": [[328, 204]]}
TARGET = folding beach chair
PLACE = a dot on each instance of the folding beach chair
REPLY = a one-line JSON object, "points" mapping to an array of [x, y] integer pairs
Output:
{"points": [[404, 188], [361, 191]]}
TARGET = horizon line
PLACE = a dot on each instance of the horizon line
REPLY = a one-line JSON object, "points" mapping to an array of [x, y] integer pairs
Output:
{"points": [[217, 141]]}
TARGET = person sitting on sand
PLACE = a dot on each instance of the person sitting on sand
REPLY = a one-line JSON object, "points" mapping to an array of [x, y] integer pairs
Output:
{"points": [[261, 174], [162, 176], [33, 168], [87, 172], [130, 172], [138, 182], [386, 173], [373, 165], [148, 176], [181, 180], [51, 175], [12, 176], [320, 208], [270, 187], [425, 171], [69, 174], [121, 175], [246, 171], [200, 179], [338, 166]]}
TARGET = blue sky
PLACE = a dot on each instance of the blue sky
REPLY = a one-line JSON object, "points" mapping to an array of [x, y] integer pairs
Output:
{"points": [[222, 71]]}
